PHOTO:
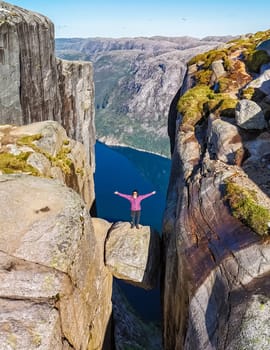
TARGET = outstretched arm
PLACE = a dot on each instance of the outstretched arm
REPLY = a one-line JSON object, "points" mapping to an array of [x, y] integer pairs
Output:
{"points": [[143, 196], [126, 196]]}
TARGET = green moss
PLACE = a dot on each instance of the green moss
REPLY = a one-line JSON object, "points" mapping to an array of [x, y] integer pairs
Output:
{"points": [[243, 203], [10, 163], [80, 171], [224, 84], [223, 105], [62, 160], [201, 100], [256, 59], [28, 140], [209, 57], [191, 104], [203, 76], [248, 93]]}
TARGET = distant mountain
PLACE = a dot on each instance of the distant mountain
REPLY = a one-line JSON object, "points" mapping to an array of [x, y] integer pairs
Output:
{"points": [[135, 81]]}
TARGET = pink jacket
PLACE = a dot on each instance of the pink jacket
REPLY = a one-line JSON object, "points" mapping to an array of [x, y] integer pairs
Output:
{"points": [[135, 203]]}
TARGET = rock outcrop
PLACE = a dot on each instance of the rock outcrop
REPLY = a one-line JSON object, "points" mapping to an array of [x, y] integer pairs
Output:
{"points": [[43, 149], [37, 87], [55, 290], [133, 255], [216, 224]]}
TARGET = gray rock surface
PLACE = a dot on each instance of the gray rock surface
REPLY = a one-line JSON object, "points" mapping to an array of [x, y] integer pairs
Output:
{"points": [[133, 255], [262, 82], [51, 268], [37, 87], [265, 45], [249, 115], [218, 69], [224, 141]]}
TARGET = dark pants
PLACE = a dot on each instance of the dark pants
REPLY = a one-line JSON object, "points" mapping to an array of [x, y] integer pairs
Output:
{"points": [[135, 217]]}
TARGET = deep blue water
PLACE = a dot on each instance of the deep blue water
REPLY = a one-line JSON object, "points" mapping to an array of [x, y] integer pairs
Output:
{"points": [[124, 169]]}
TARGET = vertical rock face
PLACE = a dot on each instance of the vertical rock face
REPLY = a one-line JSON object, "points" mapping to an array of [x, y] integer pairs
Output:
{"points": [[55, 290], [28, 54], [76, 87], [216, 224], [37, 87]]}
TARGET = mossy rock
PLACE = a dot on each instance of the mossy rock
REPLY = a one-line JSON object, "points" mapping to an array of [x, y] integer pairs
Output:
{"points": [[256, 59], [209, 57], [244, 206], [28, 139], [200, 101], [203, 76], [223, 105], [191, 104], [248, 93], [10, 163]]}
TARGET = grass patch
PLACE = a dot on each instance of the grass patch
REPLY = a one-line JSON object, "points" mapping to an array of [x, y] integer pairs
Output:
{"points": [[244, 206]]}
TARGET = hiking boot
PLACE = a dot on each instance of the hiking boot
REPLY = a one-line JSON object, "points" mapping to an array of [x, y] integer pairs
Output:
{"points": [[131, 226], [137, 226]]}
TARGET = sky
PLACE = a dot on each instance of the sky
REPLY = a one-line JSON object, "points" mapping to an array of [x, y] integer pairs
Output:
{"points": [[124, 18]]}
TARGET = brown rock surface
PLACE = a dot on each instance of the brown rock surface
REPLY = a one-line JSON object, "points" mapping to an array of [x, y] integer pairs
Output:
{"points": [[55, 290]]}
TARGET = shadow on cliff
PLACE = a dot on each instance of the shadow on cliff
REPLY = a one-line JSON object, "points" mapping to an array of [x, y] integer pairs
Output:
{"points": [[216, 312], [152, 270], [109, 341]]}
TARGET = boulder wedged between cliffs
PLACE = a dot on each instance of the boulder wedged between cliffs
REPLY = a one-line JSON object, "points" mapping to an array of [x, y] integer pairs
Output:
{"points": [[133, 254]]}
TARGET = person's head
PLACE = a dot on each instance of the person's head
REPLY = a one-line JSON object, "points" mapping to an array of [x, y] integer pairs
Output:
{"points": [[135, 193]]}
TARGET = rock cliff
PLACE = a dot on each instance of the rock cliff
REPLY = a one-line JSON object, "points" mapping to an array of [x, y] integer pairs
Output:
{"points": [[135, 80], [55, 290], [37, 87], [216, 224]]}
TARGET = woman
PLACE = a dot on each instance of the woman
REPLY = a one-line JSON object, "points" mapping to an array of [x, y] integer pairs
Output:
{"points": [[135, 205]]}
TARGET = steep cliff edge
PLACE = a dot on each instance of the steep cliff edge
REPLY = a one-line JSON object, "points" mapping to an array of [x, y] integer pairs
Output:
{"points": [[216, 224], [37, 87]]}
